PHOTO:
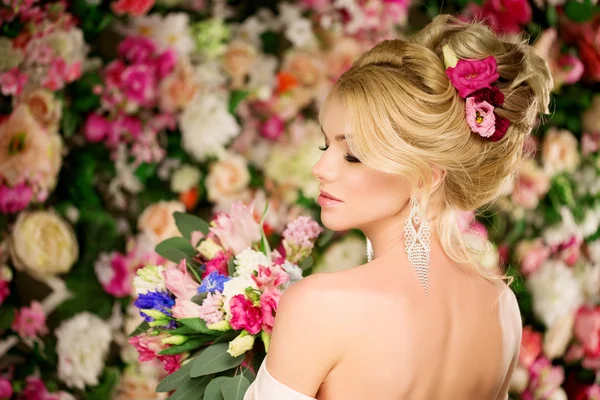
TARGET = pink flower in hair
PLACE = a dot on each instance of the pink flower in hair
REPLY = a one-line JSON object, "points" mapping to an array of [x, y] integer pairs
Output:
{"points": [[469, 76], [480, 117]]}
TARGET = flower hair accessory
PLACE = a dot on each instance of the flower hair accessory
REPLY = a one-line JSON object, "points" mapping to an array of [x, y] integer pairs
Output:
{"points": [[473, 79]]}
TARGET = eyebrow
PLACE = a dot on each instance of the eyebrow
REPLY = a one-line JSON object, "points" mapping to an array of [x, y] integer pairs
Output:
{"points": [[338, 138]]}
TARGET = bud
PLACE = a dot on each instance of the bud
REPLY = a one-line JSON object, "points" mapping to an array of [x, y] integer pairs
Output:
{"points": [[241, 344], [221, 326], [266, 338], [175, 339], [153, 313], [209, 249]]}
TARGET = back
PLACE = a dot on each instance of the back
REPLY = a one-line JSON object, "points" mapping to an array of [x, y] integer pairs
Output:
{"points": [[457, 343]]}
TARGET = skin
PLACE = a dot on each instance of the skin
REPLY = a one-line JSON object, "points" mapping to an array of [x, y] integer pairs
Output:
{"points": [[370, 332]]}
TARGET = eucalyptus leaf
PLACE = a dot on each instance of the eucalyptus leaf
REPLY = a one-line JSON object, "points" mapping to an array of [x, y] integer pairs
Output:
{"points": [[213, 389], [199, 298], [175, 249], [188, 223], [227, 337], [192, 389], [199, 325], [174, 380], [214, 359], [306, 263], [188, 345], [235, 388]]}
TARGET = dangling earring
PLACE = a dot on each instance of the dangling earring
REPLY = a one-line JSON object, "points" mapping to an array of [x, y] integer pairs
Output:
{"points": [[417, 241], [370, 255]]}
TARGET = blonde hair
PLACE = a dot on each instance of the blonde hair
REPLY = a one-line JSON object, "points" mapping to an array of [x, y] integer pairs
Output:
{"points": [[406, 117]]}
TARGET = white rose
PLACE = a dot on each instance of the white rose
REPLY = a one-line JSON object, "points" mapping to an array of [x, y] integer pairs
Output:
{"points": [[555, 290], [82, 346], [557, 338], [43, 244], [233, 287], [184, 178], [347, 253], [206, 126], [519, 381], [227, 178], [157, 220]]}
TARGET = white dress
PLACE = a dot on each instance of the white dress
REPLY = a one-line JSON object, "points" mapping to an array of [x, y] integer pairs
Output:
{"points": [[266, 387]]}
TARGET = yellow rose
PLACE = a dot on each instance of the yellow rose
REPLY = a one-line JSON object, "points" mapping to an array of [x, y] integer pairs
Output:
{"points": [[241, 344], [209, 248], [157, 220], [43, 244]]}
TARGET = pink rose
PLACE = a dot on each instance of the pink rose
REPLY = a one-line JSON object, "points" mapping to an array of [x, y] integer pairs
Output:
{"points": [[15, 199], [571, 69], [587, 330], [508, 15], [6, 391], [135, 8], [590, 143], [185, 309], [244, 315], [272, 128], [96, 128], [480, 117], [531, 346], [136, 49], [217, 263], [269, 301], [531, 255], [469, 76], [139, 84], [30, 322], [237, 230], [270, 277], [180, 283]]}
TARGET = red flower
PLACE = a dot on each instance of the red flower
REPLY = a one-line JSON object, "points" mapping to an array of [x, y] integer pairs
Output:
{"points": [[501, 128], [492, 95], [244, 315], [135, 8]]}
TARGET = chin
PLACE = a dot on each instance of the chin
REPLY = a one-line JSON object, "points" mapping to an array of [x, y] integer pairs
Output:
{"points": [[335, 222]]}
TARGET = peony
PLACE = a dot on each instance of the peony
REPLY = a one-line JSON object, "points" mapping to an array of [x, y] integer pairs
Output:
{"points": [[43, 244], [480, 117], [241, 344], [531, 346], [237, 230], [244, 315], [555, 290], [206, 127], [471, 75], [30, 322], [227, 178], [82, 346], [157, 220], [560, 152]]}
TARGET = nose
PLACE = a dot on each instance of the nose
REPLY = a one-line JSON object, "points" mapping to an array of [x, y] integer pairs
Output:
{"points": [[322, 170]]}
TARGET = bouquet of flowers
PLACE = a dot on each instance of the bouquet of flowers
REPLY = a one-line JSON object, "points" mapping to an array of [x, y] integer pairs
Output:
{"points": [[207, 311]]}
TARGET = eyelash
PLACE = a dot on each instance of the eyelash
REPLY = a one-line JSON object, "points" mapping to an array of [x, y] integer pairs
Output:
{"points": [[347, 157]]}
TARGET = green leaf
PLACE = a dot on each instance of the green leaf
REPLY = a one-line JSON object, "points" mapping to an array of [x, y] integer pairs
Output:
{"points": [[176, 379], [214, 359], [188, 345], [7, 315], [188, 223], [192, 389], [110, 379], [175, 249], [213, 389], [199, 298], [579, 11], [69, 122], [237, 96], [306, 263], [183, 330], [141, 328], [230, 267], [551, 15], [199, 325], [235, 388], [227, 337]]}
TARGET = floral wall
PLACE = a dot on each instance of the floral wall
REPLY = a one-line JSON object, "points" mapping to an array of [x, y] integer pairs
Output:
{"points": [[116, 114]]}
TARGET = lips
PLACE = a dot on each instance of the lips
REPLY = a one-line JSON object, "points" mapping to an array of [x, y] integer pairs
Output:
{"points": [[329, 196]]}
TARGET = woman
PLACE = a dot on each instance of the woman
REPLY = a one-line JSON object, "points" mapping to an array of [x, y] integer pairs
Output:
{"points": [[414, 132]]}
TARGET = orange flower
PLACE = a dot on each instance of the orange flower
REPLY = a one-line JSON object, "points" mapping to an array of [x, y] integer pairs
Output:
{"points": [[189, 198], [286, 82]]}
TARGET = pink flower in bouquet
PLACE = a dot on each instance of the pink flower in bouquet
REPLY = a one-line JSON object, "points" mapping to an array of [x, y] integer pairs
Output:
{"points": [[481, 117], [244, 315], [532, 255], [115, 274], [185, 309], [165, 62], [6, 390], [298, 237], [570, 250], [587, 330], [531, 346], [124, 128], [272, 128], [4, 290], [180, 283], [170, 363], [270, 277], [269, 301], [237, 230], [211, 309], [149, 346], [471, 75], [30, 322], [545, 379], [15, 199], [217, 263], [113, 74], [12, 82], [137, 49], [139, 84], [134, 8]]}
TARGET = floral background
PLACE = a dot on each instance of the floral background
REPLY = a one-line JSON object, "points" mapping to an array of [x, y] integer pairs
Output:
{"points": [[115, 114]]}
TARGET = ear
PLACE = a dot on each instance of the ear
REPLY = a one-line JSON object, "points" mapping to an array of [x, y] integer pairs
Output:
{"points": [[437, 175]]}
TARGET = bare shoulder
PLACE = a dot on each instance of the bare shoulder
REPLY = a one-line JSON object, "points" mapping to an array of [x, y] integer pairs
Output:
{"points": [[510, 313]]}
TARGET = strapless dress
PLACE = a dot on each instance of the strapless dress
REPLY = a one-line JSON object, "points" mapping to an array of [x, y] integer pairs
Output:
{"points": [[266, 387]]}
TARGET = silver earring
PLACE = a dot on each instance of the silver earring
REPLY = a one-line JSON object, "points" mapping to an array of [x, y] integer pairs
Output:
{"points": [[370, 255], [417, 240]]}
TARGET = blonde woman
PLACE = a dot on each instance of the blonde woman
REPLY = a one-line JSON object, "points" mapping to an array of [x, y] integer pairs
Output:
{"points": [[414, 132]]}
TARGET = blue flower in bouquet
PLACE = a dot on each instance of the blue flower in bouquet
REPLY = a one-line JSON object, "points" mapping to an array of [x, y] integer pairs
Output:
{"points": [[213, 282], [152, 303]]}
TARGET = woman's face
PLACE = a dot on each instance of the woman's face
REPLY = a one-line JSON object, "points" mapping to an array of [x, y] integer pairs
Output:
{"points": [[352, 194]]}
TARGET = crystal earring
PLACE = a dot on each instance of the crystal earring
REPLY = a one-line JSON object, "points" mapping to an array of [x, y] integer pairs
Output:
{"points": [[417, 240], [370, 255]]}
